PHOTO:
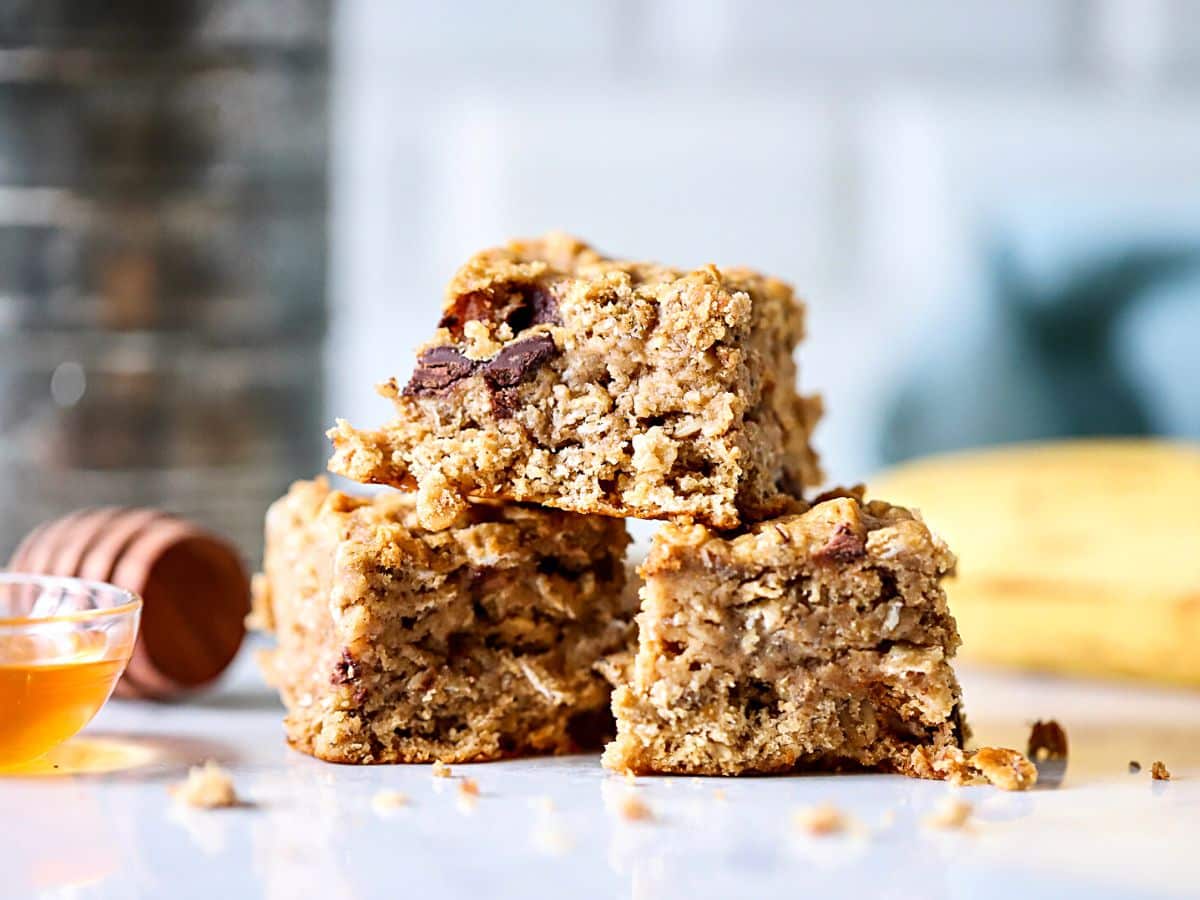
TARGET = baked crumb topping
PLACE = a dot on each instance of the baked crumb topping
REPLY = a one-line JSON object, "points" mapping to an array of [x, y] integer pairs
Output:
{"points": [[441, 770]]}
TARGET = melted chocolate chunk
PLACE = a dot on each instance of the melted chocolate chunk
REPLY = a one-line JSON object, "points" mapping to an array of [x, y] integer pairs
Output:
{"points": [[844, 547], [538, 307], [437, 369], [521, 306], [518, 361], [474, 306], [513, 365]]}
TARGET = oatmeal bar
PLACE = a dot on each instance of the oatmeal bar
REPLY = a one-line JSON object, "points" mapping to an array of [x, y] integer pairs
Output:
{"points": [[561, 377], [818, 640], [396, 644]]}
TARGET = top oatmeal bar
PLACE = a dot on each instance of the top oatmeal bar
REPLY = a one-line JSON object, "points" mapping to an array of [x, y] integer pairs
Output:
{"points": [[561, 377]]}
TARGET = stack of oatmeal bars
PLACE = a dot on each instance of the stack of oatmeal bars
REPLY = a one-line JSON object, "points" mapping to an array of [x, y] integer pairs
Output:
{"points": [[482, 610]]}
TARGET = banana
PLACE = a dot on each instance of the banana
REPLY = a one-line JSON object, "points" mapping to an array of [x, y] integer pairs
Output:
{"points": [[1079, 557]]}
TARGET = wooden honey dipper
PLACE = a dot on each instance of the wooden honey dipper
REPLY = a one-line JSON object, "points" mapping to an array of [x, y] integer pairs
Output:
{"points": [[195, 588]]}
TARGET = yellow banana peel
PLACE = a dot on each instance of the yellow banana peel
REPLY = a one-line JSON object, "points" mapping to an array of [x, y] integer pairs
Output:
{"points": [[1076, 557]]}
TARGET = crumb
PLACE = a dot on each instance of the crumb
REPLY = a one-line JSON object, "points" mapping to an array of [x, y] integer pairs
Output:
{"points": [[1159, 772], [1047, 740], [823, 819], [952, 765], [441, 770], [634, 810], [468, 787], [719, 794], [950, 815], [207, 787], [1134, 767], [630, 778], [388, 801], [1006, 769]]}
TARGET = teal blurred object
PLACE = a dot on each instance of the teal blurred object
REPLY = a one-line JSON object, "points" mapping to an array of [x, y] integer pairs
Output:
{"points": [[1050, 355]]}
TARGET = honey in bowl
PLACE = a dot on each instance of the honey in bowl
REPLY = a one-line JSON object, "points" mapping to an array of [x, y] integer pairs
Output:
{"points": [[63, 645]]}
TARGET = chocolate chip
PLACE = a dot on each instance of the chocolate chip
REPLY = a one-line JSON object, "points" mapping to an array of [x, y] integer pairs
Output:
{"points": [[345, 671], [844, 547], [505, 401], [473, 306], [538, 307], [520, 306], [518, 361], [437, 369]]}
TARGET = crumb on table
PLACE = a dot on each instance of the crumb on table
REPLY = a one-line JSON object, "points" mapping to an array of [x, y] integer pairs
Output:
{"points": [[951, 814], [207, 787], [388, 801], [823, 819], [633, 809], [1134, 767], [468, 787], [1006, 769], [441, 770], [1159, 772]]}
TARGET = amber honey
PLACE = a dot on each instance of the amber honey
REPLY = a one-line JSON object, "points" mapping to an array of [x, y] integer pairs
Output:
{"points": [[43, 704]]}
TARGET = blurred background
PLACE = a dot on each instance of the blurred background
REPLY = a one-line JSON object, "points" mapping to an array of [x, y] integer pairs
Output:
{"points": [[223, 221]]}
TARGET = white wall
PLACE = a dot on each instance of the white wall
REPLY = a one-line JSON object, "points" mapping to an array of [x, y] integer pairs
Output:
{"points": [[854, 148]]}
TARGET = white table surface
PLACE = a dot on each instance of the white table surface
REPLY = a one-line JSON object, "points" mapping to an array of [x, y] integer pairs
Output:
{"points": [[311, 829]]}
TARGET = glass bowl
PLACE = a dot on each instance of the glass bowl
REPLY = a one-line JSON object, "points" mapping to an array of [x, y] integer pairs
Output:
{"points": [[64, 643]]}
